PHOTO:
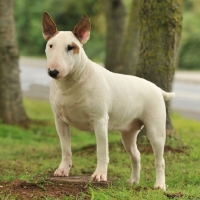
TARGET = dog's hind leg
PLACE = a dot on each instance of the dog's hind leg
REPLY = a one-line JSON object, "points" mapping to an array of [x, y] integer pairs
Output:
{"points": [[156, 134], [129, 139]]}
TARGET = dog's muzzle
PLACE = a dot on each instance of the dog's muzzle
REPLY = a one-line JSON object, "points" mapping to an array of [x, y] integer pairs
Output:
{"points": [[53, 73]]}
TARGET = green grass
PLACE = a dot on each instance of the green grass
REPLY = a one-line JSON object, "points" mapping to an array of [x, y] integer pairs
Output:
{"points": [[32, 154]]}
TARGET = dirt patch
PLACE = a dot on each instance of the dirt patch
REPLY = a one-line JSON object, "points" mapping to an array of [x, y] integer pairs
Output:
{"points": [[53, 187], [174, 195], [84, 180], [26, 191]]}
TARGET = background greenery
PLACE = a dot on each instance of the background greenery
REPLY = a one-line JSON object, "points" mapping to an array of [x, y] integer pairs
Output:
{"points": [[66, 14], [190, 43]]}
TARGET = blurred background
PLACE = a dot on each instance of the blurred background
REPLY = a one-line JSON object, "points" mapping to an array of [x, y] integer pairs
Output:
{"points": [[66, 14]]}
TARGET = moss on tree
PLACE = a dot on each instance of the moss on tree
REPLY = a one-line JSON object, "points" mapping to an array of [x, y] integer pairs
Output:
{"points": [[161, 25]]}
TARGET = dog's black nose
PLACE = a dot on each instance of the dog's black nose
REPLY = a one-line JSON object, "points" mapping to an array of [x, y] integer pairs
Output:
{"points": [[53, 73]]}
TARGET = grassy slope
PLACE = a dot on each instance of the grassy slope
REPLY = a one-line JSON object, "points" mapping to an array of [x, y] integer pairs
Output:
{"points": [[32, 154]]}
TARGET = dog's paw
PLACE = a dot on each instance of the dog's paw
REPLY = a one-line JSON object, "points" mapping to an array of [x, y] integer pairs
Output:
{"points": [[133, 181], [160, 187], [64, 168], [98, 176], [61, 172]]}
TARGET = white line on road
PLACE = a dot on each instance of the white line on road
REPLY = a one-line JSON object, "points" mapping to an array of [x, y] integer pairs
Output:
{"points": [[189, 95]]}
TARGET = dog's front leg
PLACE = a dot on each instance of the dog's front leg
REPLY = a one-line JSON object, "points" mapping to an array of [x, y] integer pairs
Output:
{"points": [[101, 132], [64, 135]]}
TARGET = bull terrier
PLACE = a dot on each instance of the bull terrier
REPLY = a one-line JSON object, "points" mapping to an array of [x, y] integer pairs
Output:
{"points": [[90, 98]]}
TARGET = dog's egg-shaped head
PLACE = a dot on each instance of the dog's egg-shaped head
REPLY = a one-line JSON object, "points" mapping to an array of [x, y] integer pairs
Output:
{"points": [[63, 48]]}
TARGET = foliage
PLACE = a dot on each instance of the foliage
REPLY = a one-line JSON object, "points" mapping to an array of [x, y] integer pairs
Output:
{"points": [[67, 13], [190, 43], [32, 154], [28, 15]]}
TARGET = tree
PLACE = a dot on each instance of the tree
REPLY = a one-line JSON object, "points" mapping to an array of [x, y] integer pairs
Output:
{"points": [[161, 24], [130, 49], [115, 26], [11, 106]]}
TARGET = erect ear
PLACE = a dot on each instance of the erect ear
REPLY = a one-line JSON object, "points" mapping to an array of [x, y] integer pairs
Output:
{"points": [[49, 27], [82, 29]]}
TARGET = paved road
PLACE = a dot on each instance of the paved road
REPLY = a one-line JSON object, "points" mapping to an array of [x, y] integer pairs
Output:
{"points": [[35, 84], [187, 100]]}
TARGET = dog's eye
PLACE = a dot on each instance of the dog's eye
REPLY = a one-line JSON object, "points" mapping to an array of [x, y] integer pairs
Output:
{"points": [[69, 47], [50, 45]]}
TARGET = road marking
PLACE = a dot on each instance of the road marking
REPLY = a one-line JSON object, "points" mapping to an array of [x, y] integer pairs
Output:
{"points": [[188, 95]]}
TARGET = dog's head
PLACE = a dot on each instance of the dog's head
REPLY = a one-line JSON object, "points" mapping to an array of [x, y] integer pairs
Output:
{"points": [[64, 48]]}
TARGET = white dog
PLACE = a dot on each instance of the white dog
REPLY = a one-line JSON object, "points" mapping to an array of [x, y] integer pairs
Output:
{"points": [[89, 97]]}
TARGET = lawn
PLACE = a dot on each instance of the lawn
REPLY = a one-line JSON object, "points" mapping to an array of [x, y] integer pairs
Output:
{"points": [[29, 157]]}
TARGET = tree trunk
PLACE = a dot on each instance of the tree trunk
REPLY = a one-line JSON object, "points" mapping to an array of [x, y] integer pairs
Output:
{"points": [[11, 106], [130, 48], [115, 26], [161, 24]]}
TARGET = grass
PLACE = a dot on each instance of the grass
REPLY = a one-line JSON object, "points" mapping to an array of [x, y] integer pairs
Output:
{"points": [[31, 155]]}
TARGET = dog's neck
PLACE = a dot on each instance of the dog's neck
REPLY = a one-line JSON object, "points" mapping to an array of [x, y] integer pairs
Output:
{"points": [[78, 76], [80, 67]]}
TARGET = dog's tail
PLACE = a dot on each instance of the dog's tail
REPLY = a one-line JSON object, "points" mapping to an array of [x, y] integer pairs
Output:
{"points": [[167, 95]]}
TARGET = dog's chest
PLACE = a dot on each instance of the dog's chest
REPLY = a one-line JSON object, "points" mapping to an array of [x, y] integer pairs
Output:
{"points": [[72, 110]]}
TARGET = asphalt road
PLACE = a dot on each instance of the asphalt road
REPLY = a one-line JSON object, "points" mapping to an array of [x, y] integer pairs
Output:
{"points": [[35, 84], [187, 100]]}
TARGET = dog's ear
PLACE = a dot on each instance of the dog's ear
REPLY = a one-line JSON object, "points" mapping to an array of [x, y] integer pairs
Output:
{"points": [[82, 29], [49, 27]]}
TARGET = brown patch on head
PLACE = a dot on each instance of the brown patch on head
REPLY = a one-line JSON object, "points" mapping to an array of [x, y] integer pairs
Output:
{"points": [[76, 48]]}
